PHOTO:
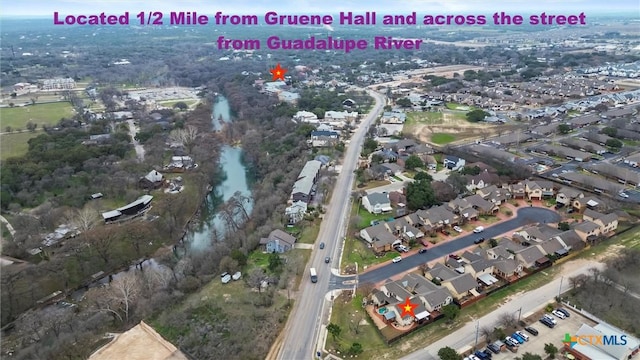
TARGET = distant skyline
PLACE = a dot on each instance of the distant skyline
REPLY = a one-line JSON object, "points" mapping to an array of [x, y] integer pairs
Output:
{"points": [[40, 8]]}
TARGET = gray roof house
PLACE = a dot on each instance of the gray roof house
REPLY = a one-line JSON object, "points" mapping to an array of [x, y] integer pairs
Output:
{"points": [[278, 241], [305, 182], [377, 203]]}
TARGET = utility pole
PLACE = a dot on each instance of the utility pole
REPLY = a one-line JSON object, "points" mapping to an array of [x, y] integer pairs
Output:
{"points": [[519, 314], [560, 289], [477, 332]]}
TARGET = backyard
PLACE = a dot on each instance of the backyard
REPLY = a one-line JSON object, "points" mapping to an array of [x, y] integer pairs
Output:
{"points": [[15, 144]]}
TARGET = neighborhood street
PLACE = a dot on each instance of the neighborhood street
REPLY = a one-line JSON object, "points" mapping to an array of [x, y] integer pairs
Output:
{"points": [[309, 311], [525, 215]]}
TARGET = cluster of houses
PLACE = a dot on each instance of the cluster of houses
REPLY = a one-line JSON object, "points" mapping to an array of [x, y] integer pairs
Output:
{"points": [[461, 279], [303, 190], [383, 236], [326, 133], [279, 89]]}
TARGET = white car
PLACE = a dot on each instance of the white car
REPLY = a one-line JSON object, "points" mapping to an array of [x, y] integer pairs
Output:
{"points": [[623, 195], [479, 229], [397, 259], [458, 229], [559, 314], [550, 318], [523, 335]]}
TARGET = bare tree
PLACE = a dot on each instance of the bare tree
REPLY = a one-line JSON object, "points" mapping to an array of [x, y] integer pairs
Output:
{"points": [[185, 137], [83, 219], [124, 291], [595, 273], [255, 279], [102, 243], [487, 333], [508, 320], [239, 202]]}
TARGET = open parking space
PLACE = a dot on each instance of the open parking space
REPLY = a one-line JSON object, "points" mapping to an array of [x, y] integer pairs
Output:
{"points": [[535, 345]]}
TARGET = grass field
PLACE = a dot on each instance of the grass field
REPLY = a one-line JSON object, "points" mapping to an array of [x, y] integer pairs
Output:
{"points": [[425, 117], [442, 138], [40, 114], [15, 144]]}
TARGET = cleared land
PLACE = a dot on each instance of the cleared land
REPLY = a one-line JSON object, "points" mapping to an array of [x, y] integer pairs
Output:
{"points": [[15, 144], [40, 114], [445, 126]]}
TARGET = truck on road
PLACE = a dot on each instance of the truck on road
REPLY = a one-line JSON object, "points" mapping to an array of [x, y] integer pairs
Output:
{"points": [[314, 275]]}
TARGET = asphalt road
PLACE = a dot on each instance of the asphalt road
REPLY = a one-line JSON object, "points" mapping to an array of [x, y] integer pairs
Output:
{"points": [[310, 311], [524, 304], [525, 215]]}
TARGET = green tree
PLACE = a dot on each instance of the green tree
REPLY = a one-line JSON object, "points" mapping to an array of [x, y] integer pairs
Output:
{"points": [[370, 145], [404, 102], [470, 170], [355, 349], [420, 195], [334, 330], [550, 350], [564, 226], [611, 131], [423, 176], [239, 256], [476, 115], [498, 333], [181, 105], [614, 143], [450, 312], [447, 353], [564, 128], [529, 356], [412, 162], [275, 263], [493, 243]]}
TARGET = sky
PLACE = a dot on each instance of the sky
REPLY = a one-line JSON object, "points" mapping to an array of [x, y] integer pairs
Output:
{"points": [[259, 7]]}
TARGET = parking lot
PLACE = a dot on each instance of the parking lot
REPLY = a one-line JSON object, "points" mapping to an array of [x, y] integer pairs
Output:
{"points": [[535, 345]]}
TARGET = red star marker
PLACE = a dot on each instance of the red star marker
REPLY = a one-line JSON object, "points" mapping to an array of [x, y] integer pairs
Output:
{"points": [[278, 73], [407, 308]]}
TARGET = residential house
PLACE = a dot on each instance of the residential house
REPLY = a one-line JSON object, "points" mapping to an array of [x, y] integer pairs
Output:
{"points": [[566, 195], [507, 268], [461, 286], [453, 162], [538, 189], [152, 180], [295, 212], [404, 229], [379, 237], [306, 181], [482, 180], [322, 138], [340, 116], [306, 117], [607, 222], [528, 256], [440, 272], [589, 202], [518, 191], [587, 229], [479, 267], [602, 350], [377, 203], [437, 218], [278, 241], [494, 194], [393, 117]]}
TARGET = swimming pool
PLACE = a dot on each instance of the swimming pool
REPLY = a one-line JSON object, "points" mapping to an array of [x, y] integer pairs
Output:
{"points": [[382, 310]]}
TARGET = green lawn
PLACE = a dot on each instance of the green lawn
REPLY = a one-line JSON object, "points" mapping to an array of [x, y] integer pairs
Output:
{"points": [[309, 233], [442, 138], [15, 144], [40, 114], [171, 103]]}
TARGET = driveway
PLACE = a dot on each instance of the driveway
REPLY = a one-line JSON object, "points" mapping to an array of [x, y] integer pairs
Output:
{"points": [[525, 216]]}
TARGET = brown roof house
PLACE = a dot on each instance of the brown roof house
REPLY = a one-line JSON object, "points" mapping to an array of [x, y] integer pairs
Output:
{"points": [[141, 342], [278, 241]]}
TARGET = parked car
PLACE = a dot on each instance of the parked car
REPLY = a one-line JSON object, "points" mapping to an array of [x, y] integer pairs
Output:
{"points": [[481, 355], [518, 338], [547, 323], [478, 240], [473, 357], [454, 256], [422, 251], [327, 259], [524, 336], [531, 330], [445, 231], [493, 348], [321, 245], [551, 319], [564, 311], [479, 229], [458, 229], [559, 314], [511, 341], [623, 195], [397, 259]]}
